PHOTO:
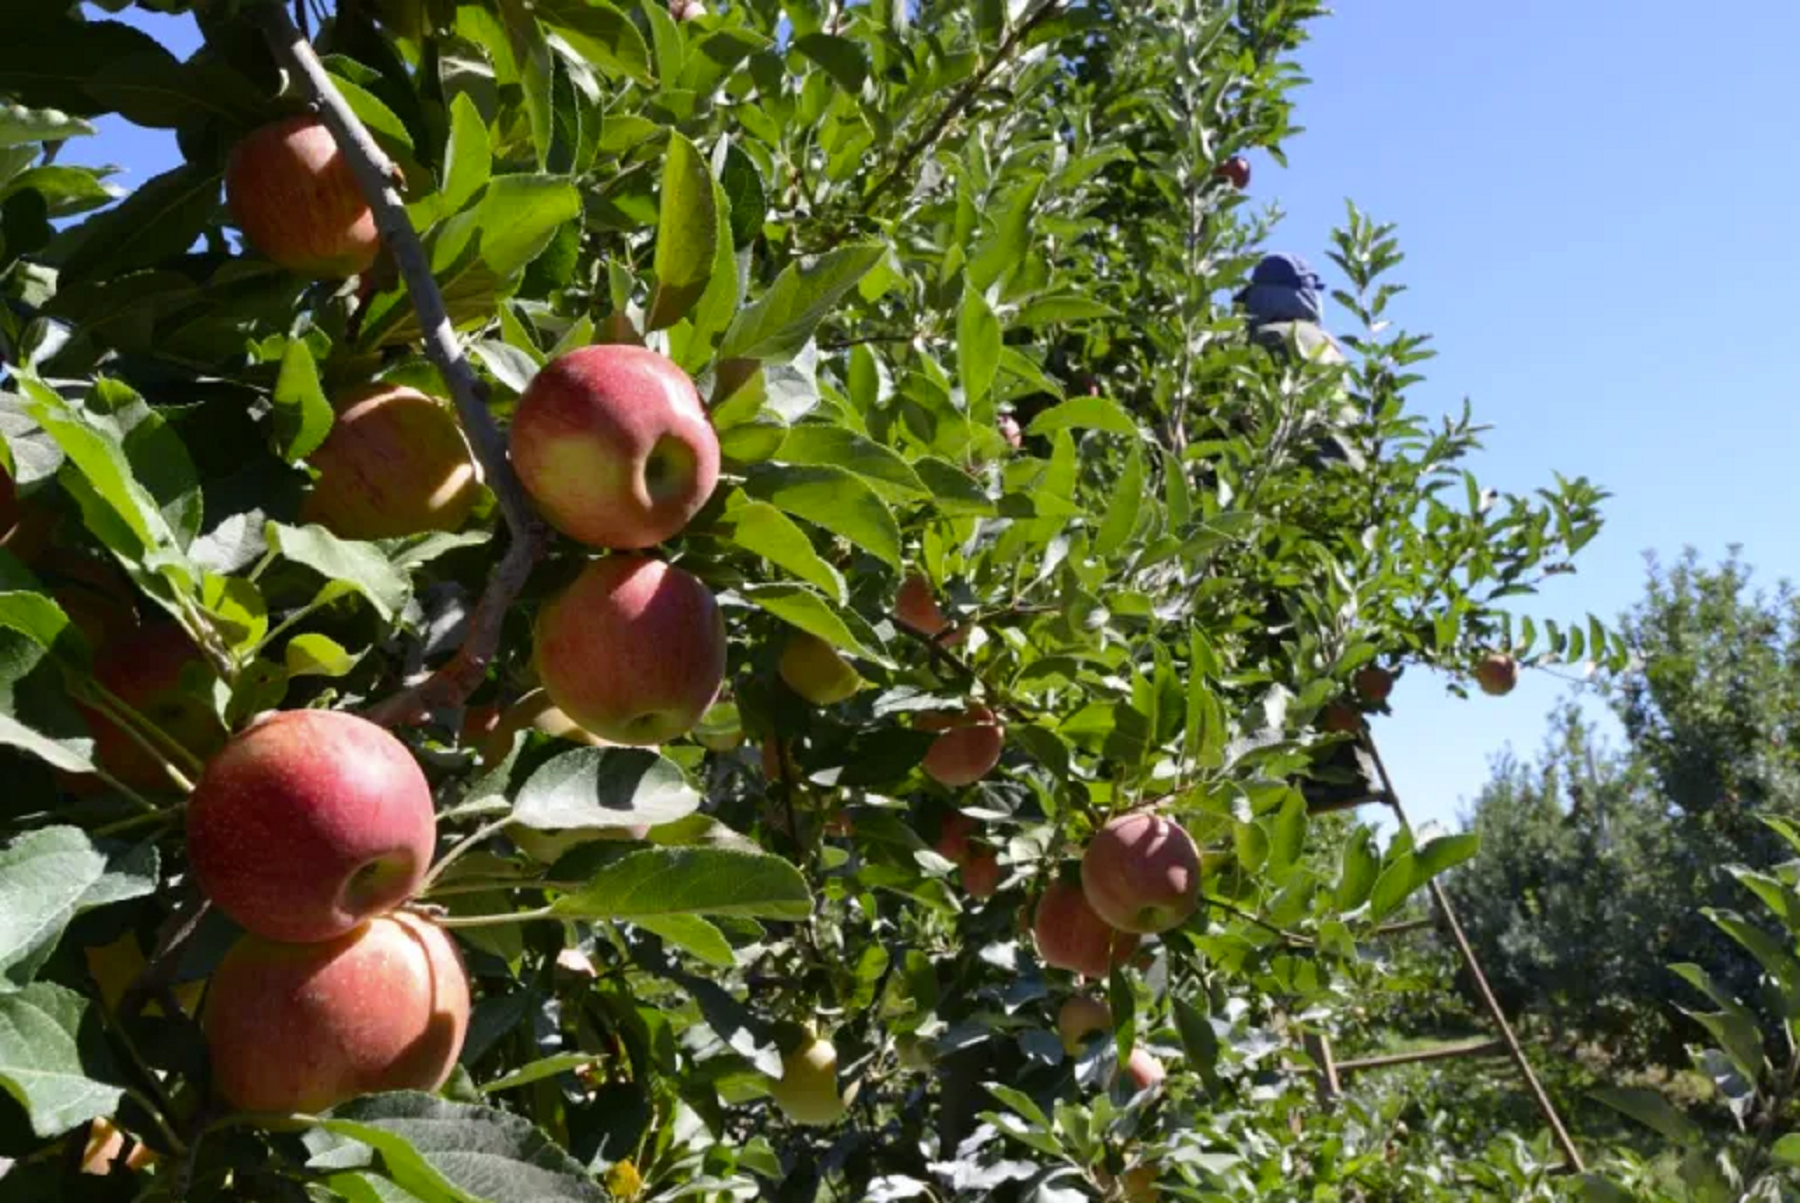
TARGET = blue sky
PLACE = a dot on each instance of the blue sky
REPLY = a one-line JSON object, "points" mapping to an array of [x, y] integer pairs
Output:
{"points": [[1599, 206]]}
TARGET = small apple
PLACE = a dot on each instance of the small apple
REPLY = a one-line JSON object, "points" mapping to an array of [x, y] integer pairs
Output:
{"points": [[1070, 935], [916, 606], [1009, 430], [807, 1091], [953, 837], [394, 464], [813, 669], [981, 873], [303, 1027], [296, 200], [146, 671], [1341, 718], [1497, 674], [1142, 1070], [1080, 1016], [1373, 684], [308, 823], [1235, 171], [1141, 873], [721, 728], [615, 447], [967, 748], [633, 650]]}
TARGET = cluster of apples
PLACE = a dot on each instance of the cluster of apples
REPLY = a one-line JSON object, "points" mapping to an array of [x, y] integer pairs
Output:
{"points": [[307, 829]]}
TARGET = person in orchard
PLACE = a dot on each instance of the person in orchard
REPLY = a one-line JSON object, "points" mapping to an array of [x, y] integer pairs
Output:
{"points": [[1284, 307]]}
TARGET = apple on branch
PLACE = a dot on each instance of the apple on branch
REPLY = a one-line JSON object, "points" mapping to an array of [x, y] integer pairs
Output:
{"points": [[294, 196], [394, 464], [1141, 873]]}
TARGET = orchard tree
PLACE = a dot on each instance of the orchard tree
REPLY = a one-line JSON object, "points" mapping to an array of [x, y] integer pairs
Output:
{"points": [[579, 576]]}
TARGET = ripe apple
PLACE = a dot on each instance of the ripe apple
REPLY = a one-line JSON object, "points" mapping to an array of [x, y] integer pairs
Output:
{"points": [[953, 837], [981, 873], [308, 823], [1341, 718], [813, 669], [807, 1091], [145, 670], [1497, 674], [1141, 873], [303, 1027], [1235, 171], [916, 606], [633, 650], [967, 748], [1373, 684], [1080, 1017], [615, 447], [1070, 935], [394, 464], [295, 198], [1142, 1070], [1009, 430]]}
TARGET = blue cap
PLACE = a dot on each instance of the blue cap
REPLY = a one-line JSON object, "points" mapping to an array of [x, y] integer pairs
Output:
{"points": [[1286, 271], [1282, 289]]}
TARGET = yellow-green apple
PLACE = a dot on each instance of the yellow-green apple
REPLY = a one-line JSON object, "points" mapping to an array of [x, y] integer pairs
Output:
{"points": [[145, 670], [308, 823], [967, 747], [1373, 684], [981, 873], [807, 1091], [1080, 1016], [1141, 873], [953, 837], [295, 198], [633, 650], [1141, 1069], [1497, 674], [916, 606], [303, 1027], [721, 728], [615, 447], [813, 669], [1071, 935], [394, 464]]}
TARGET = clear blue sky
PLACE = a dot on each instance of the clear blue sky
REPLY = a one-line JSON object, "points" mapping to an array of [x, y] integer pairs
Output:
{"points": [[1600, 205]]}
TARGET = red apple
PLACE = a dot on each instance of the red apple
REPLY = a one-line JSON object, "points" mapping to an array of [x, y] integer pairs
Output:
{"points": [[1235, 171], [633, 650], [303, 1027], [615, 447], [144, 670], [916, 606], [1080, 1017], [1373, 684], [308, 823], [1141, 873], [967, 748], [295, 198], [1497, 674], [394, 464], [1142, 1070], [813, 669], [981, 873], [807, 1091], [1341, 718], [1070, 935], [953, 837]]}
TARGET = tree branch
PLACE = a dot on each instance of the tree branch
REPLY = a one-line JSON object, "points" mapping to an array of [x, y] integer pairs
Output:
{"points": [[376, 176]]}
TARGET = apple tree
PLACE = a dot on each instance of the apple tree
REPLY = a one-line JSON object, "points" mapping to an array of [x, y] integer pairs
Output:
{"points": [[610, 600]]}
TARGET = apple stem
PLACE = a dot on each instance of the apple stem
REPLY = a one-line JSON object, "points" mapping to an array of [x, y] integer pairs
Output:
{"points": [[457, 850], [376, 176], [543, 912], [154, 815]]}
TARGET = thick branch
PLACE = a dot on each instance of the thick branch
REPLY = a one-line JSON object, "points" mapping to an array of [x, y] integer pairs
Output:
{"points": [[376, 175]]}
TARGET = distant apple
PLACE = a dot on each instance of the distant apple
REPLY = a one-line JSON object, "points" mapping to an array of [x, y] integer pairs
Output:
{"points": [[1080, 1017], [981, 873], [967, 748], [1071, 935], [953, 837], [295, 198], [394, 464], [1497, 674], [1340, 718], [813, 669], [807, 1091], [1373, 684], [1009, 430], [1235, 171], [916, 606], [1142, 1070]]}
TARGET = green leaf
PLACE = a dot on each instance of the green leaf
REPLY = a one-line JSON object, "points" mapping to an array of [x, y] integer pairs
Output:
{"points": [[1443, 853], [373, 113], [537, 1071], [158, 221], [37, 617], [20, 125], [844, 60], [119, 510], [1122, 512], [602, 34], [69, 755], [834, 499], [1787, 1149], [346, 566], [687, 231], [303, 416], [605, 787], [977, 348], [777, 324], [1085, 413], [519, 215], [741, 180], [819, 445], [1357, 870], [801, 607], [690, 881], [314, 655], [49, 876], [1042, 311], [1395, 885], [952, 489], [762, 529], [1287, 832], [1652, 1110], [41, 1062], [438, 1149], [694, 934], [1006, 248], [468, 159]]}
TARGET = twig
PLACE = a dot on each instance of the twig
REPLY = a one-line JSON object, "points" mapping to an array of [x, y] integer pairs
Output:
{"points": [[1441, 1052], [1520, 1061], [958, 103], [470, 841], [1291, 938], [376, 175]]}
